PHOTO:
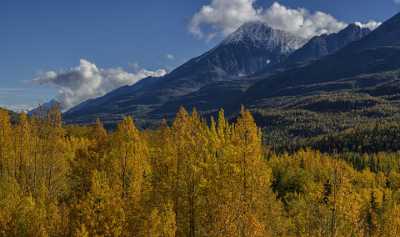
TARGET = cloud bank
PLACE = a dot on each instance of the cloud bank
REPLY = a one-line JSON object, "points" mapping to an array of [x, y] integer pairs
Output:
{"points": [[88, 81], [222, 17]]}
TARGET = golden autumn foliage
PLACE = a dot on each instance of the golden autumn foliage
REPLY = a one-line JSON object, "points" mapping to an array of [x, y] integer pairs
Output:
{"points": [[192, 178]]}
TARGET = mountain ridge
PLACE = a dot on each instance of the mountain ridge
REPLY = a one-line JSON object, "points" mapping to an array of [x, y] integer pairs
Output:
{"points": [[372, 54], [230, 60], [326, 44], [228, 75]]}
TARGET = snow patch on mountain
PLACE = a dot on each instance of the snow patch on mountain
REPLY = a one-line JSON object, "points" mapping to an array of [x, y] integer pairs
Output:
{"points": [[371, 25], [263, 36]]}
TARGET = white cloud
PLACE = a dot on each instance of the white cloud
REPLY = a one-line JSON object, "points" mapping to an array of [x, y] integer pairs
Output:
{"points": [[88, 81], [170, 56], [300, 21], [225, 16], [372, 25], [397, 1]]}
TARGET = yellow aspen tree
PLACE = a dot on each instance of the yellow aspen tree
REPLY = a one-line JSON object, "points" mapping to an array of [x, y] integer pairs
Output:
{"points": [[224, 129], [80, 181], [55, 169], [80, 174], [28, 219], [160, 223], [342, 206], [99, 135], [392, 221], [5, 143], [168, 227], [130, 154], [11, 196], [209, 184], [251, 177], [22, 150], [101, 212], [179, 131], [191, 155], [35, 154], [163, 164], [100, 148], [200, 174], [371, 221], [218, 219], [81, 232], [152, 227], [349, 206]]}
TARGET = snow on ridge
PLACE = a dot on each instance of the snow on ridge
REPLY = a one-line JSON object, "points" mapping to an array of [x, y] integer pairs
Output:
{"points": [[261, 34]]}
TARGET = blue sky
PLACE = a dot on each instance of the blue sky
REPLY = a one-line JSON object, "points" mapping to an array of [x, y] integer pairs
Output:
{"points": [[49, 35]]}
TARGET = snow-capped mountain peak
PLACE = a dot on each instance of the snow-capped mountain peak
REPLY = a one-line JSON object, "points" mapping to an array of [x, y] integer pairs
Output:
{"points": [[261, 34]]}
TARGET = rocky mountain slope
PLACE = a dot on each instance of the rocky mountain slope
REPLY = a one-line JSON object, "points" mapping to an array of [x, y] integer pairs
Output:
{"points": [[327, 44], [358, 86], [376, 53], [251, 48], [353, 70]]}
